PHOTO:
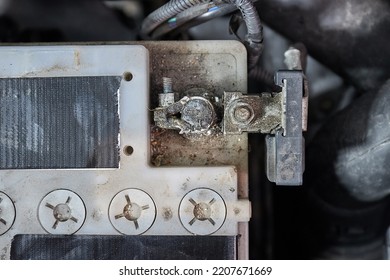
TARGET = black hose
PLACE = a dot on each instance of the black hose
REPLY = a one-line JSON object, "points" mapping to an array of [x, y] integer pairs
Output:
{"points": [[254, 37], [164, 13], [192, 18]]}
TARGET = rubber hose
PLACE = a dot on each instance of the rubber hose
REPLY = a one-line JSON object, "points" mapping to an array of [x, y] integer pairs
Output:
{"points": [[167, 11]]}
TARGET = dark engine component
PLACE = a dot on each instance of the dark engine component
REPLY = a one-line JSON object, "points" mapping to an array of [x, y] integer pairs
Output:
{"points": [[350, 36]]}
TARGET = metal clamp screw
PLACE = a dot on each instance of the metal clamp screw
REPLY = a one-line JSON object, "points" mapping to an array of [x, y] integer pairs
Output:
{"points": [[7, 213], [61, 212], [202, 211], [132, 205], [168, 96], [167, 85], [241, 113]]}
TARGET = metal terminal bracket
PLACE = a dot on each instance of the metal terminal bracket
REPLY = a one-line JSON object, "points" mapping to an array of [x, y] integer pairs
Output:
{"points": [[252, 113]]}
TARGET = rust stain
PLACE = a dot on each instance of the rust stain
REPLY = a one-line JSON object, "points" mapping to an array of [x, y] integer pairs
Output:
{"points": [[184, 186], [53, 68], [157, 148], [77, 58], [97, 215], [167, 213]]}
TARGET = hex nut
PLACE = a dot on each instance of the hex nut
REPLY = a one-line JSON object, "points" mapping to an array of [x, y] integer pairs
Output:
{"points": [[241, 113]]}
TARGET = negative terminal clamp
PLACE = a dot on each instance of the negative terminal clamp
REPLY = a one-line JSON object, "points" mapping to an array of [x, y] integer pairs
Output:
{"points": [[282, 115], [191, 115]]}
